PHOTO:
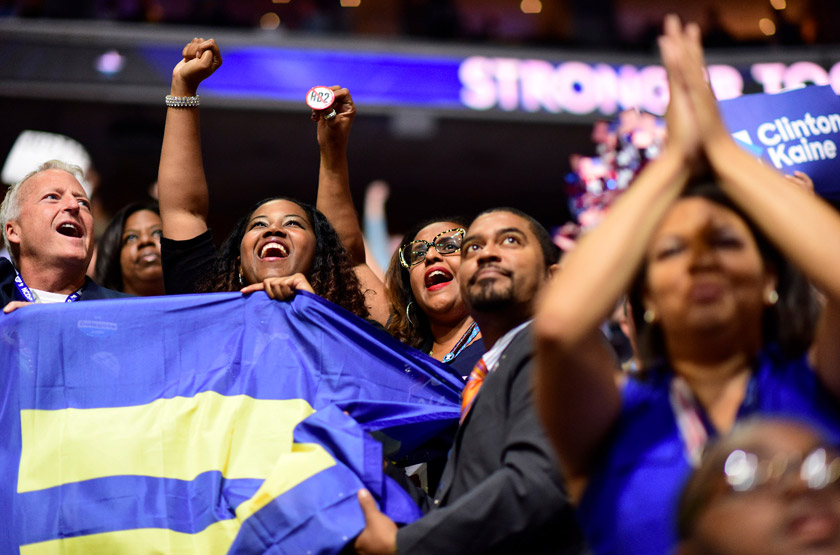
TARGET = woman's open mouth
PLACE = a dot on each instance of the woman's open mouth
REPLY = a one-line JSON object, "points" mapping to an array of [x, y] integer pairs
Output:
{"points": [[437, 277]]}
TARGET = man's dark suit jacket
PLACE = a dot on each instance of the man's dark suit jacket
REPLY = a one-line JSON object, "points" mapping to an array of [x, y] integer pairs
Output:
{"points": [[8, 291], [501, 490]]}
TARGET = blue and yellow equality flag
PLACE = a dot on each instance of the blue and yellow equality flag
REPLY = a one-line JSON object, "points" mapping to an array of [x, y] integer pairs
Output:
{"points": [[204, 424]]}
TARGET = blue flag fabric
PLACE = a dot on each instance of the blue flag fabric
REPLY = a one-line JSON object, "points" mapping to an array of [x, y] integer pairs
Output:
{"points": [[205, 424], [793, 130]]}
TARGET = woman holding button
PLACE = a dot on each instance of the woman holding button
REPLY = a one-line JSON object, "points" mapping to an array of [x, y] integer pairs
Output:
{"points": [[423, 297]]}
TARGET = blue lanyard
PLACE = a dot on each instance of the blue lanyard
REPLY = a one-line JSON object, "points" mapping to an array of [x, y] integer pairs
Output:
{"points": [[465, 340], [27, 294]]}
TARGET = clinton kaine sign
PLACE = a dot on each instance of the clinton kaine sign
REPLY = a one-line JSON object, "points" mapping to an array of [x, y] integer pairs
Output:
{"points": [[794, 130]]}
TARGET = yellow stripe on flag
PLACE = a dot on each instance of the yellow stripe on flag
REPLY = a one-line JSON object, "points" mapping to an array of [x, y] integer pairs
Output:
{"points": [[216, 538], [307, 459], [178, 438], [304, 461]]}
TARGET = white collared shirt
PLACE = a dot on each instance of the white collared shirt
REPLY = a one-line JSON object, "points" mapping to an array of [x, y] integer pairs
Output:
{"points": [[45, 297], [492, 357]]}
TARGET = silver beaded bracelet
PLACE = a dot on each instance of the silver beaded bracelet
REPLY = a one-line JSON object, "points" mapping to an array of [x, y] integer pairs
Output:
{"points": [[183, 101]]}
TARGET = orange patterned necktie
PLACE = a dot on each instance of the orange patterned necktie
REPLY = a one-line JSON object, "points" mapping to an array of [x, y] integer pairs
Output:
{"points": [[471, 388]]}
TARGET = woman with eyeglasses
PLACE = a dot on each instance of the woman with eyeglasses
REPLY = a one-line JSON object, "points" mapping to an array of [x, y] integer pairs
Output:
{"points": [[423, 303], [771, 487], [724, 325], [427, 311]]}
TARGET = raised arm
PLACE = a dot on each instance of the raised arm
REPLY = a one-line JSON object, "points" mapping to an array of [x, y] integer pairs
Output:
{"points": [[336, 202], [574, 366], [804, 228], [182, 187], [334, 198], [574, 363]]}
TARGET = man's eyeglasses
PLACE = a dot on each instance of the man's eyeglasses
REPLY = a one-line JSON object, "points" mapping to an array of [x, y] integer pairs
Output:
{"points": [[446, 242], [747, 471]]}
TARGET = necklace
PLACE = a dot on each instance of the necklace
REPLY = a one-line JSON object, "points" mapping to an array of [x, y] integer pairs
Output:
{"points": [[462, 343]]}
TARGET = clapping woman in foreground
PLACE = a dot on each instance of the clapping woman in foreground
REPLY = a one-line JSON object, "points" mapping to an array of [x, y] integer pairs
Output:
{"points": [[722, 320]]}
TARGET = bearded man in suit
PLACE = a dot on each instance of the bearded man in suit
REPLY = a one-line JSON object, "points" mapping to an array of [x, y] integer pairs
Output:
{"points": [[501, 490]]}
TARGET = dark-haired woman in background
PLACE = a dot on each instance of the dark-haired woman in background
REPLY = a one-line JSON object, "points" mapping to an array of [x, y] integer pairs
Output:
{"points": [[128, 254], [722, 326]]}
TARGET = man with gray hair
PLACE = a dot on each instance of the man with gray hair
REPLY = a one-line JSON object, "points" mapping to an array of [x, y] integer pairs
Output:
{"points": [[48, 230]]}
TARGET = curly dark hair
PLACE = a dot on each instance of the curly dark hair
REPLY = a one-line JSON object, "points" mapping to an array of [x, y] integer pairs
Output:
{"points": [[332, 276], [407, 322], [789, 323], [108, 269]]}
